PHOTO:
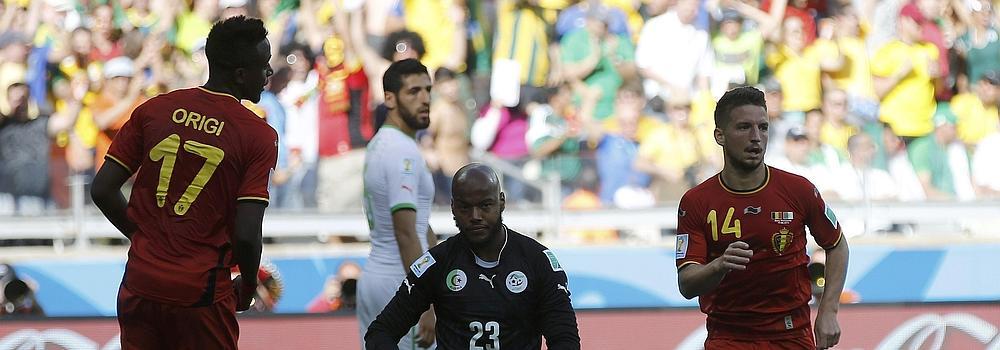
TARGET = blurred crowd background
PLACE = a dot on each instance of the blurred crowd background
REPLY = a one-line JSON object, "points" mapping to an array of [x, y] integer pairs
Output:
{"points": [[609, 102], [881, 100]]}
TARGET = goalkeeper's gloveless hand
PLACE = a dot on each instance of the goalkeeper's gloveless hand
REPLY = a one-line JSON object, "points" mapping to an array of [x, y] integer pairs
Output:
{"points": [[244, 292]]}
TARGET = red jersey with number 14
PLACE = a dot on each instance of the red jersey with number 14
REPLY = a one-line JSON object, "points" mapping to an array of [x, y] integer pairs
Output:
{"points": [[768, 300], [196, 153]]}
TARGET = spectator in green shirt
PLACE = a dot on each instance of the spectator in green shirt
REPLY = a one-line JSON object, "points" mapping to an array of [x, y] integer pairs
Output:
{"points": [[554, 135], [980, 44], [943, 170], [737, 51], [598, 58]]}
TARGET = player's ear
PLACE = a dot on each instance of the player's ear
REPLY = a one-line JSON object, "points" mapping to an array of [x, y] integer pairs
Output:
{"points": [[240, 75], [503, 201], [720, 138], [390, 100]]}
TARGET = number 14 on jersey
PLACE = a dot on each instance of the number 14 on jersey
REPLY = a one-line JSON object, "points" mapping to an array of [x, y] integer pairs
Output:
{"points": [[729, 225]]}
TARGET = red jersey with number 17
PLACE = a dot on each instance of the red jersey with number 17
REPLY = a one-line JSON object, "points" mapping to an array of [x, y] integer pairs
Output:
{"points": [[768, 300], [196, 153]]}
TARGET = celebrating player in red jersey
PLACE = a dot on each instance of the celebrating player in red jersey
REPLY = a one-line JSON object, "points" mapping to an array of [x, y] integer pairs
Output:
{"points": [[741, 242], [202, 163]]}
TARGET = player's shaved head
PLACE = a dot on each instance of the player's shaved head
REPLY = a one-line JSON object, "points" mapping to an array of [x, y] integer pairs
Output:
{"points": [[478, 204], [475, 176]]}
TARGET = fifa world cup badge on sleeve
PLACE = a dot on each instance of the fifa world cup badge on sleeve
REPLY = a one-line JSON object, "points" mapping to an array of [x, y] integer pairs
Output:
{"points": [[423, 263], [553, 261], [682, 245], [407, 166], [831, 216]]}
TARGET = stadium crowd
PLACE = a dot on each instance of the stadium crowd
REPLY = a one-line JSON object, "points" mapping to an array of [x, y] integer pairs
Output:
{"points": [[880, 100]]}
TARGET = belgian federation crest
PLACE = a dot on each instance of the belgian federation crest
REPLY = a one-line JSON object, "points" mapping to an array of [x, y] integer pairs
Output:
{"points": [[781, 240]]}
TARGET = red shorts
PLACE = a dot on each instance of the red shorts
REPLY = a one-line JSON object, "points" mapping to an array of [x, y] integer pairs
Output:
{"points": [[794, 323], [776, 344], [147, 324]]}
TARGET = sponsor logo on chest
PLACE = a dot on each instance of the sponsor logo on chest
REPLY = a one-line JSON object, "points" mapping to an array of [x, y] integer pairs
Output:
{"points": [[488, 279]]}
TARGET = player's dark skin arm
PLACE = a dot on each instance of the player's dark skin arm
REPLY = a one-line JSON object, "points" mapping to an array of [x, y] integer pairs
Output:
{"points": [[247, 246], [694, 279], [106, 191]]}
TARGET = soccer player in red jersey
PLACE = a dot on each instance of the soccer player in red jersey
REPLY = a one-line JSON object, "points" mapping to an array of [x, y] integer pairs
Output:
{"points": [[202, 163], [741, 242]]}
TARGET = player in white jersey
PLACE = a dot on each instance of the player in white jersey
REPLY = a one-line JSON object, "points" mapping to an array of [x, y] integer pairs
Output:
{"points": [[399, 190]]}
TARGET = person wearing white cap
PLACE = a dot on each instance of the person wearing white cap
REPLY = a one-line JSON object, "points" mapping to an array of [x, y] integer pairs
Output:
{"points": [[119, 67], [119, 95], [232, 8], [795, 158]]}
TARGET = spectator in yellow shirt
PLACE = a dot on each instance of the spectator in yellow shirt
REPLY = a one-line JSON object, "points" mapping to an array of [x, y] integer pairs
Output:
{"points": [[441, 24], [904, 72], [845, 32], [977, 110], [799, 67], [522, 35], [671, 152], [835, 129]]}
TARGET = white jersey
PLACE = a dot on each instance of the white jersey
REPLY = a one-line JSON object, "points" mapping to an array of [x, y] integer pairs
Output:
{"points": [[396, 177]]}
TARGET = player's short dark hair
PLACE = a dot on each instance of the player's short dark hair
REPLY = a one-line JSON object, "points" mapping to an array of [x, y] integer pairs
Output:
{"points": [[232, 42], [392, 81], [735, 98], [412, 40]]}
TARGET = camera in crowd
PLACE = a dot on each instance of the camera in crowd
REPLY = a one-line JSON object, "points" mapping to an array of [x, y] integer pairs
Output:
{"points": [[18, 298]]}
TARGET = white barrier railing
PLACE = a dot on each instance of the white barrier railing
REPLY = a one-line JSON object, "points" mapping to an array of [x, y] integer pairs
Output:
{"points": [[978, 218]]}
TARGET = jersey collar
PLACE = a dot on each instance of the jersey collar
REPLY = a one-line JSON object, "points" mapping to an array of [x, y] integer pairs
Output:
{"points": [[390, 126], [492, 264], [217, 93], [767, 179]]}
